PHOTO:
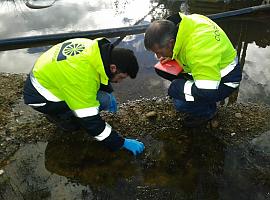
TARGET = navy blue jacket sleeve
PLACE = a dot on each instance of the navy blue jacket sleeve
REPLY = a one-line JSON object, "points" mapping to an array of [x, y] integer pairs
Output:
{"points": [[100, 130]]}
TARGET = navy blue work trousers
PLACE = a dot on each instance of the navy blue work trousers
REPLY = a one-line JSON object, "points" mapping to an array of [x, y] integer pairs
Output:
{"points": [[204, 107]]}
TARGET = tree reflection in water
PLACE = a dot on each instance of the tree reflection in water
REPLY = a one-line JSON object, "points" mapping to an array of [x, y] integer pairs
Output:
{"points": [[33, 4], [39, 4]]}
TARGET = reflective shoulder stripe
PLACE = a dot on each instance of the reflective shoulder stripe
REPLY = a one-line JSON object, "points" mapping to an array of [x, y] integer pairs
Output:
{"points": [[207, 84], [86, 112], [42, 90], [233, 85], [105, 133], [229, 68], [187, 90]]}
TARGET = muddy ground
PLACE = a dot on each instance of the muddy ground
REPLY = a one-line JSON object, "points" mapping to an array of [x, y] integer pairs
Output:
{"points": [[235, 124]]}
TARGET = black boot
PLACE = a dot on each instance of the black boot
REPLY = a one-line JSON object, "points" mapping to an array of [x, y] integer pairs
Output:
{"points": [[193, 121]]}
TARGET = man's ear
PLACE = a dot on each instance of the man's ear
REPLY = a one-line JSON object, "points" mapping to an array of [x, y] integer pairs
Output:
{"points": [[113, 68]]}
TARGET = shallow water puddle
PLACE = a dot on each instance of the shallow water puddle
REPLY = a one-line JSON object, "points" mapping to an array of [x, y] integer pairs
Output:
{"points": [[175, 165]]}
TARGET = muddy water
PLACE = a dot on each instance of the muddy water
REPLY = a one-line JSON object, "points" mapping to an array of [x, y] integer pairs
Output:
{"points": [[176, 165], [72, 167]]}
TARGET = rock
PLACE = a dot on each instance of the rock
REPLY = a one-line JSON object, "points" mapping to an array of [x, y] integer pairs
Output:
{"points": [[238, 115], [8, 138], [151, 114], [262, 144], [159, 101], [259, 153], [214, 123], [1, 171]]}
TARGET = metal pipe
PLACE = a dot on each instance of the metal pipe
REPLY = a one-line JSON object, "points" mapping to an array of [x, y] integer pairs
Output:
{"points": [[42, 40], [239, 12]]}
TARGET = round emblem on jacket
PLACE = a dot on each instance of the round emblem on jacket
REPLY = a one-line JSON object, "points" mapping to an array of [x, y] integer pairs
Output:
{"points": [[73, 49]]}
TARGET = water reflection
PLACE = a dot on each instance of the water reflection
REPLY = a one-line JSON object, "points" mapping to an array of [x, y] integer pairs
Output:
{"points": [[87, 161], [251, 38], [176, 164], [187, 165], [173, 161], [39, 4], [68, 15], [64, 16], [211, 7], [26, 178]]}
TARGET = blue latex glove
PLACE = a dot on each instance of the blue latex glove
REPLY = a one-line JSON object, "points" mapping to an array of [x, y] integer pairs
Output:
{"points": [[113, 104], [134, 146]]}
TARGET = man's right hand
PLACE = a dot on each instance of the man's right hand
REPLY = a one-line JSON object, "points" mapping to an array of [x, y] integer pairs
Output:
{"points": [[163, 60], [134, 146]]}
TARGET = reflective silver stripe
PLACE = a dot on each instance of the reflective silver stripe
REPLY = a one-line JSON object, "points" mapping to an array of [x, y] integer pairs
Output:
{"points": [[233, 85], [189, 97], [188, 86], [42, 90], [229, 68], [105, 133], [37, 104], [207, 84], [86, 112], [187, 90]]}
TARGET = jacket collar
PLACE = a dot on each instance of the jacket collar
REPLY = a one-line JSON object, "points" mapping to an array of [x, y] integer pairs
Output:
{"points": [[105, 48]]}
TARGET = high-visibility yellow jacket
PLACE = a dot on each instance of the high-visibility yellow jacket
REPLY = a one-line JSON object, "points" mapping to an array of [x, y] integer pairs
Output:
{"points": [[206, 53], [203, 49], [73, 71]]}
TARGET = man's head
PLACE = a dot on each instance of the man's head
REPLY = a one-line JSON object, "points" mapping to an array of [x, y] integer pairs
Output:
{"points": [[123, 64], [160, 38]]}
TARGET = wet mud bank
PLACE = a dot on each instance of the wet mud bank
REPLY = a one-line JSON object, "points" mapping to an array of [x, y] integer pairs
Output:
{"points": [[230, 155], [18, 124]]}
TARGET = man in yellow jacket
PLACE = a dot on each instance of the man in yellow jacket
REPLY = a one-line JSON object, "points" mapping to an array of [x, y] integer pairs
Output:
{"points": [[70, 83], [211, 71]]}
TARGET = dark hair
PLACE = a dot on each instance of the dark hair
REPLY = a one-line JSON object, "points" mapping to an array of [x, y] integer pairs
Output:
{"points": [[159, 32], [125, 61]]}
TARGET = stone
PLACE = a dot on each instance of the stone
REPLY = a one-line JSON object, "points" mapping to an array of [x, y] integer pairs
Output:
{"points": [[238, 115], [262, 143], [151, 114]]}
